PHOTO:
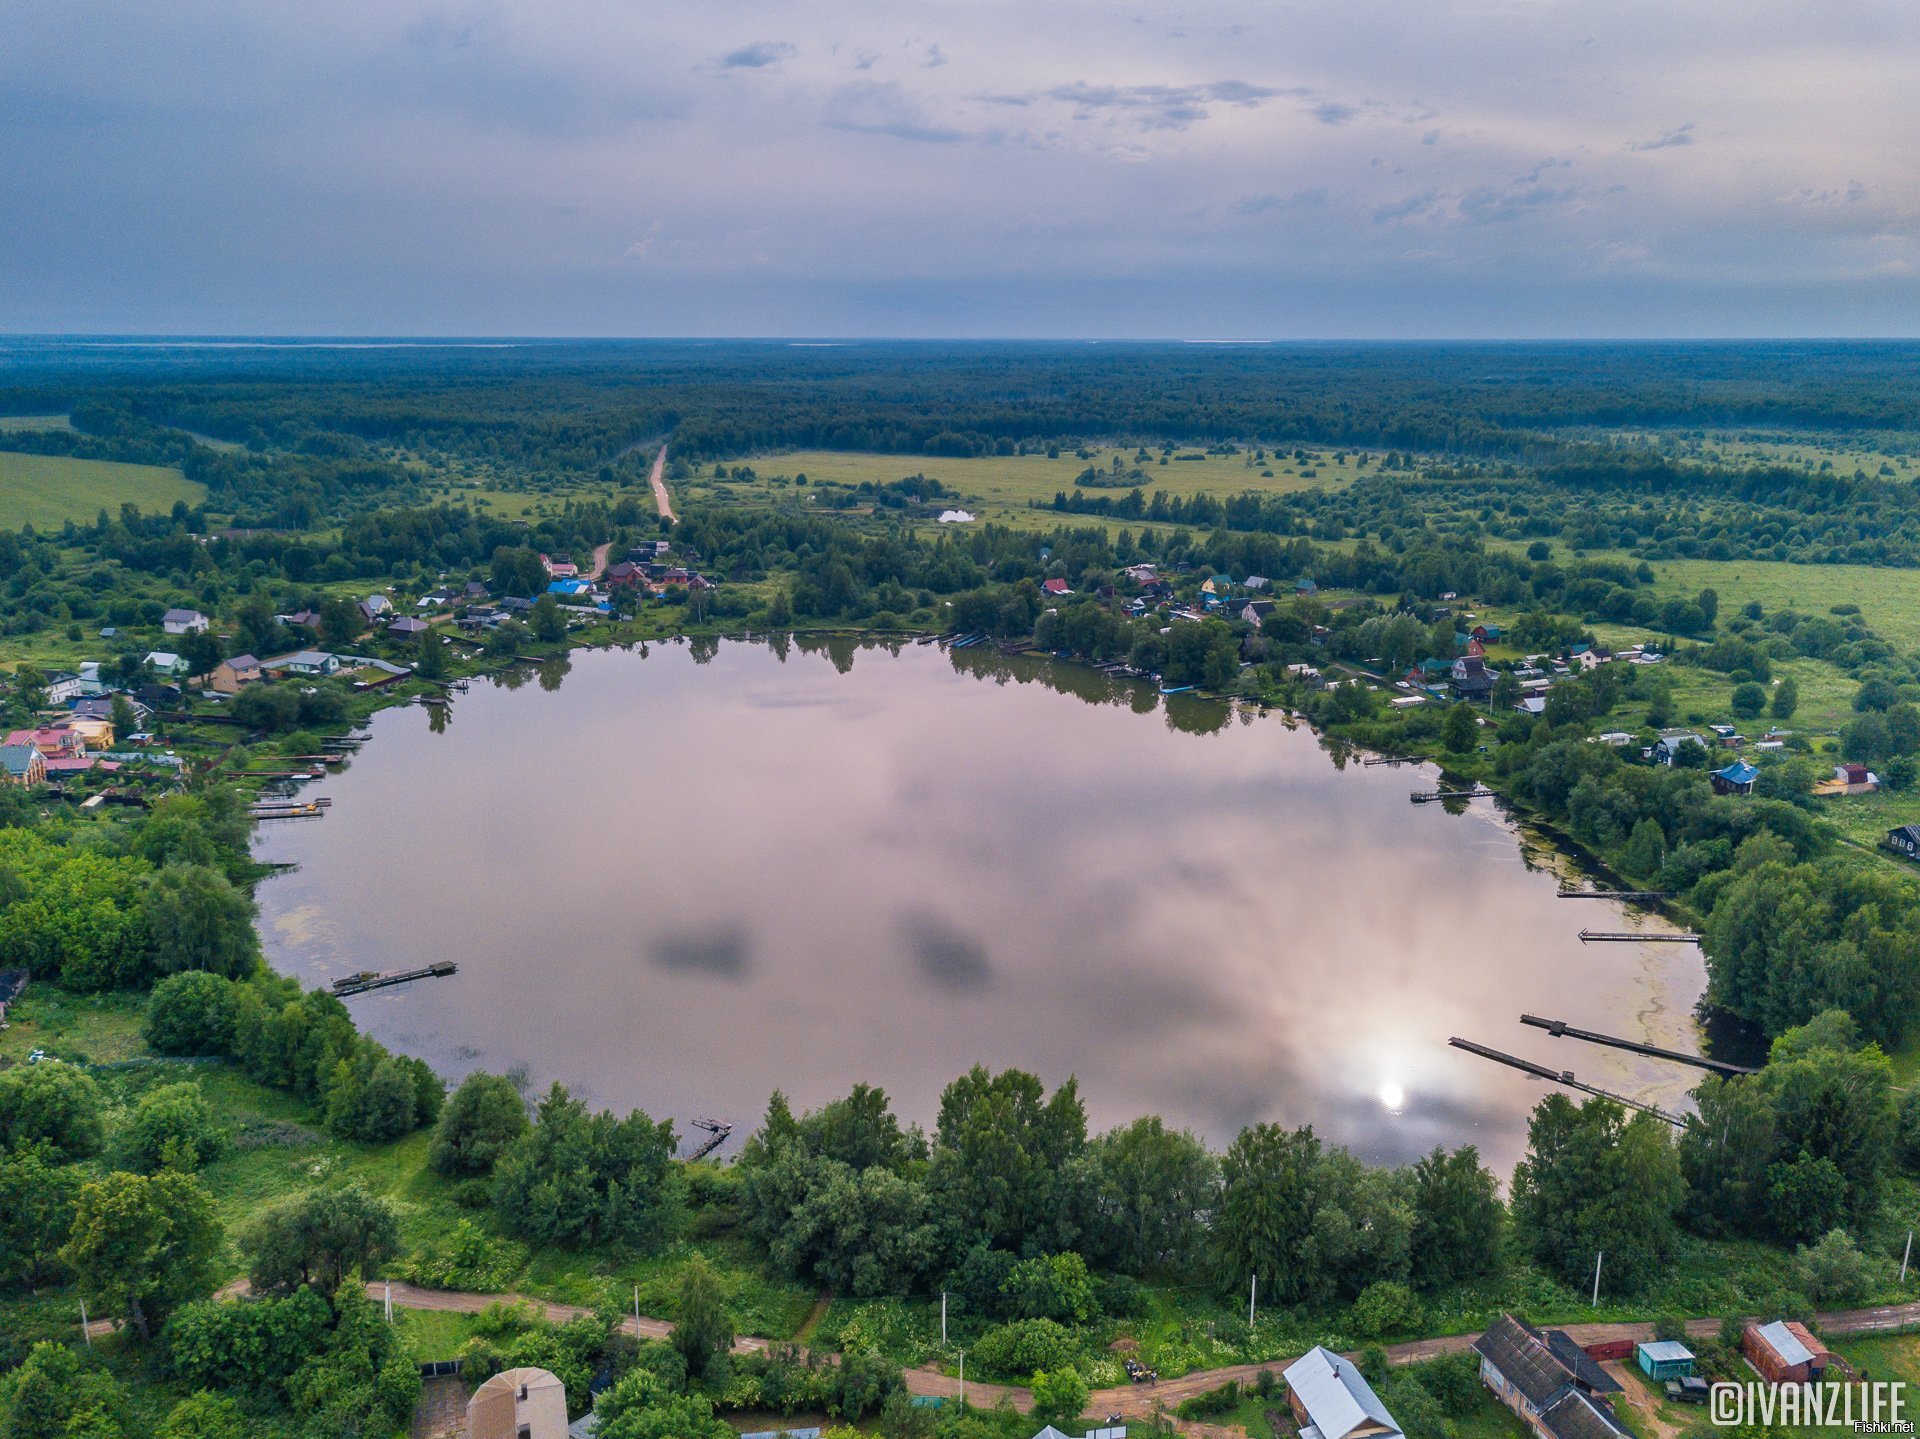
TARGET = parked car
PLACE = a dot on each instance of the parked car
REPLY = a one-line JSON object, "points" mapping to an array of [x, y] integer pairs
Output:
{"points": [[1691, 1390]]}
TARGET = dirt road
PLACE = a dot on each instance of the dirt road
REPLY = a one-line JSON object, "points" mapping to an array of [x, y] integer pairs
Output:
{"points": [[599, 560], [1134, 1401], [662, 501]]}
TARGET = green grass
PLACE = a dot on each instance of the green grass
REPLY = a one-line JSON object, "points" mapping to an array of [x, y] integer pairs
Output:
{"points": [[30, 424], [48, 490], [1002, 487]]}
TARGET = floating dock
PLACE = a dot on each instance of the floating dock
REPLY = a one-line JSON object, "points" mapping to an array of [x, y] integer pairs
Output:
{"points": [[369, 980], [1559, 1028], [1631, 894], [1636, 936], [1479, 791]]}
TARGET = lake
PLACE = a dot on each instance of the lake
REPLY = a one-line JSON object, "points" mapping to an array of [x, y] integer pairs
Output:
{"points": [[683, 879]]}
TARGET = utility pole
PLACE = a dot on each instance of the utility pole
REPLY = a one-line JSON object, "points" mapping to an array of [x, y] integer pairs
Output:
{"points": [[963, 1378], [1253, 1291], [636, 1309], [1905, 1257], [389, 1305], [943, 1319], [1596, 1277], [85, 1332]]}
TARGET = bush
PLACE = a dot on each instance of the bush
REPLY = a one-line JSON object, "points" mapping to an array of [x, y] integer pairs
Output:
{"points": [[1453, 1380], [191, 1013], [481, 1118], [171, 1127], [52, 1103], [204, 1416], [1834, 1271], [1059, 1394], [1053, 1286], [1749, 701], [1385, 1308], [1024, 1347], [216, 1344], [1213, 1401]]}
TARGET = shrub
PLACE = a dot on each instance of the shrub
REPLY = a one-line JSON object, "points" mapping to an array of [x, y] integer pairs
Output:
{"points": [[171, 1127], [191, 1013], [1213, 1401], [1024, 1346], [217, 1344], [204, 1416], [1052, 1286], [1834, 1271], [1385, 1308], [52, 1103], [1059, 1394], [481, 1118]]}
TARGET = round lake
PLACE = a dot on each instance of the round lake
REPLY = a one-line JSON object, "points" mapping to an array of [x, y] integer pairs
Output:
{"points": [[682, 880]]}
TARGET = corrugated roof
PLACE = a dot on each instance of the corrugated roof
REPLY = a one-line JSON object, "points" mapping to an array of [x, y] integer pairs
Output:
{"points": [[1575, 1416], [1520, 1352], [1336, 1396], [1784, 1342]]}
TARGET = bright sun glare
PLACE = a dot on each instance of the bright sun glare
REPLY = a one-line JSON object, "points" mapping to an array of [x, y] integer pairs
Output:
{"points": [[1392, 1096]]}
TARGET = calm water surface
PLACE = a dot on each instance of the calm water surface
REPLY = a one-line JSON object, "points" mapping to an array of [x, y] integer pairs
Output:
{"points": [[679, 882]]}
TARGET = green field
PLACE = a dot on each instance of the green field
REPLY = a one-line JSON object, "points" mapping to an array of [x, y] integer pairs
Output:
{"points": [[29, 424], [46, 491], [1003, 487]]}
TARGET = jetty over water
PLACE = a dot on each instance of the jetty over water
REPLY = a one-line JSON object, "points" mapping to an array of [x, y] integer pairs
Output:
{"points": [[1561, 1029], [368, 979]]}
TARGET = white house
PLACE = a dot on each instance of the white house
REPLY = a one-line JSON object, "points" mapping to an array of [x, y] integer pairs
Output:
{"points": [[1331, 1399], [165, 662], [183, 622]]}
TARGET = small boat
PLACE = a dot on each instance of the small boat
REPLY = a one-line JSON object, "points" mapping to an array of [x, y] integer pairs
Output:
{"points": [[1176, 689]]}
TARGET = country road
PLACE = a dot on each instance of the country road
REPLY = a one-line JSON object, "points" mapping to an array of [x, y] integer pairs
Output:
{"points": [[1134, 1401], [662, 501]]}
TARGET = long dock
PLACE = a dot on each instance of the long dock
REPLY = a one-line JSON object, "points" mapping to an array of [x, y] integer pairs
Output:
{"points": [[1636, 936], [1634, 894], [1479, 791], [1559, 1028], [1565, 1078], [361, 983]]}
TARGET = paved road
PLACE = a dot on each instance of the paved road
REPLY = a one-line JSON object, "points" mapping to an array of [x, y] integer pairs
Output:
{"points": [[662, 501]]}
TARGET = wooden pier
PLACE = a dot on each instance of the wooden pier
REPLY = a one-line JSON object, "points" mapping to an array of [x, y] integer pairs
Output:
{"points": [[1561, 1029], [290, 809], [1632, 894], [369, 980], [1565, 1078], [1479, 791], [1636, 936]]}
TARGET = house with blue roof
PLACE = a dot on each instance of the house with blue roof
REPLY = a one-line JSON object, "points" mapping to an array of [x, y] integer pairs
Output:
{"points": [[1736, 778]]}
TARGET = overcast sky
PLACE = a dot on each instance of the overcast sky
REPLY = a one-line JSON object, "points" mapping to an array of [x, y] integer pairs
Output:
{"points": [[1245, 168]]}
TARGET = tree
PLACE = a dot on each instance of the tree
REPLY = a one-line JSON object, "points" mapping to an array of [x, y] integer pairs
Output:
{"points": [[1460, 729], [578, 1179], [1749, 700], [59, 1394], [1153, 1188], [37, 1198], [1003, 1167], [141, 1246], [320, 1237], [374, 1096], [703, 1330], [205, 1416], [481, 1118], [1786, 698], [549, 625], [1457, 1218], [1646, 848], [54, 1104], [1049, 1286], [432, 661], [191, 1013], [1594, 1180], [198, 920], [1267, 1204], [171, 1127], [1834, 1271], [1059, 1394]]}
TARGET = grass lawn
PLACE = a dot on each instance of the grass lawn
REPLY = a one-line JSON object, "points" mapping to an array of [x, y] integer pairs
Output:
{"points": [[1002, 487], [48, 490]]}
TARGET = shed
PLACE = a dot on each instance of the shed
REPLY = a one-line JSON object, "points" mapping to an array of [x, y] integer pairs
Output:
{"points": [[1664, 1359], [1784, 1352]]}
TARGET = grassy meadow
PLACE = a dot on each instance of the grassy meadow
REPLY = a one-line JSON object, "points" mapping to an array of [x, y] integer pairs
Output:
{"points": [[46, 491]]}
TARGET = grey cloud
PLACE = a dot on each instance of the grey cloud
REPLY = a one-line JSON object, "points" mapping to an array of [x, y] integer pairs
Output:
{"points": [[1152, 107], [1298, 199], [870, 107], [1670, 140], [947, 955], [723, 953], [1332, 112], [936, 57], [758, 55]]}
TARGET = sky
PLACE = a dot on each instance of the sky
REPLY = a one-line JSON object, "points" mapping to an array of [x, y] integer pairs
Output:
{"points": [[1241, 169]]}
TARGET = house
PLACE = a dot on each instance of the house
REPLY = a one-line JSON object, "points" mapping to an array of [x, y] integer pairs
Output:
{"points": [[23, 763], [305, 664], [230, 674], [1055, 588], [61, 743], [183, 622], [560, 569], [626, 575], [1664, 1359], [1547, 1380], [63, 686], [1849, 778], [374, 607], [94, 733], [1330, 1399], [1470, 678], [1667, 748], [1736, 778], [1488, 634], [568, 588], [474, 590], [305, 619], [1785, 1352], [1252, 611], [648, 549], [1531, 705], [157, 696], [408, 628], [165, 662], [1905, 840], [1305, 586], [518, 1404]]}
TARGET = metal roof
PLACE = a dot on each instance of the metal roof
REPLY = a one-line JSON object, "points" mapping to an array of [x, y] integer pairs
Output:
{"points": [[1784, 1342], [1336, 1396], [1665, 1351]]}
